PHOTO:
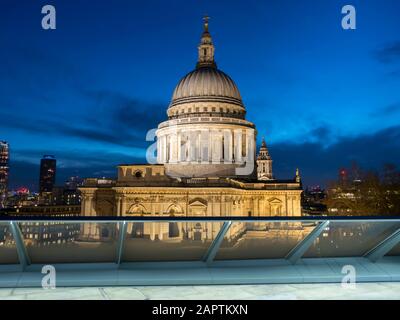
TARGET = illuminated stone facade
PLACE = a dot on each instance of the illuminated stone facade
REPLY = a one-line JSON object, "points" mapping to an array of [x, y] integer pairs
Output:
{"points": [[207, 163], [146, 189]]}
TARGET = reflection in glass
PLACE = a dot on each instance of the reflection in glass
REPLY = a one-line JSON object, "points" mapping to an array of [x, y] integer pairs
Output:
{"points": [[8, 251], [262, 240], [138, 230], [395, 251], [168, 241], [346, 239], [60, 242], [173, 230]]}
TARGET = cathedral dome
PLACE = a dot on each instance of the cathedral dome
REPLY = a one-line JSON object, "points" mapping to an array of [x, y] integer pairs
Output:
{"points": [[206, 134], [206, 84]]}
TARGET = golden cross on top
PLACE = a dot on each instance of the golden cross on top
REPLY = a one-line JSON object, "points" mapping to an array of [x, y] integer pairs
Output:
{"points": [[206, 18]]}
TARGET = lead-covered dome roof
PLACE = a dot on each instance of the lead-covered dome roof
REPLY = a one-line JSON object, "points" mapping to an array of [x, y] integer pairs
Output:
{"points": [[206, 83]]}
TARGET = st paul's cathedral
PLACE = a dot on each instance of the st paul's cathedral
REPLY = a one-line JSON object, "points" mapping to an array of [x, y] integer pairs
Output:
{"points": [[207, 164]]}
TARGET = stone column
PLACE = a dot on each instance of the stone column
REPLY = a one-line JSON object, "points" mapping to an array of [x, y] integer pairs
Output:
{"points": [[159, 150], [227, 146], [198, 143], [201, 145], [238, 141], [167, 149], [189, 146], [179, 145], [216, 146], [233, 145], [220, 145], [83, 204], [88, 229], [251, 145], [296, 205], [118, 205], [292, 205], [123, 205], [87, 203], [209, 145], [171, 149], [164, 149], [222, 209], [153, 229], [288, 205]]}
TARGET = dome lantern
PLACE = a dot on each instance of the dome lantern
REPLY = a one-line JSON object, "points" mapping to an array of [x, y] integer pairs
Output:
{"points": [[206, 48]]}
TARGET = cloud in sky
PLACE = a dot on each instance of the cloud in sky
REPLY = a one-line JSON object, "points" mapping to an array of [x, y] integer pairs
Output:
{"points": [[389, 53], [319, 163], [111, 119], [390, 110]]}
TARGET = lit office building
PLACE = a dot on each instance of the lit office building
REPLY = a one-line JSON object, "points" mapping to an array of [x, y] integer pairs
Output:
{"points": [[47, 176], [4, 171]]}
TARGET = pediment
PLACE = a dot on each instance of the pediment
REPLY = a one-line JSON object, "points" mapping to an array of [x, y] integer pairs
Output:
{"points": [[197, 203], [274, 200]]}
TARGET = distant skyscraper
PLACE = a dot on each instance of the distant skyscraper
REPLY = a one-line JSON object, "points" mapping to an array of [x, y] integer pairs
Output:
{"points": [[47, 173], [4, 168]]}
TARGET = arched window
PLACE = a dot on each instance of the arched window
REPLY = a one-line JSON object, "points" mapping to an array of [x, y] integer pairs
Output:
{"points": [[197, 230], [173, 227], [137, 209], [137, 230], [173, 230], [105, 232]]}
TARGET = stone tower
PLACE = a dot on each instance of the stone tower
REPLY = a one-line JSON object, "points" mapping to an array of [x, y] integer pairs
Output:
{"points": [[264, 163]]}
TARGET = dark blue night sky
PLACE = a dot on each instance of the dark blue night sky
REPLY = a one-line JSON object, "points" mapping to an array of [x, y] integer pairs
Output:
{"points": [[89, 91]]}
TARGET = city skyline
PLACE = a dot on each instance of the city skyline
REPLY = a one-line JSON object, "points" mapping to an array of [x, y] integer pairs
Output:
{"points": [[321, 100]]}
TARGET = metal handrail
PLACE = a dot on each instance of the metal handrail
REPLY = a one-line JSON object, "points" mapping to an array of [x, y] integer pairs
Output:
{"points": [[155, 218]]}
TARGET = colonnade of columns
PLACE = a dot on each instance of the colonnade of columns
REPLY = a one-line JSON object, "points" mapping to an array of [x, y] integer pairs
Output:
{"points": [[206, 146]]}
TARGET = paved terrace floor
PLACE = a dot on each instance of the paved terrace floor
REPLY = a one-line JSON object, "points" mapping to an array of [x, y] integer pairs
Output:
{"points": [[380, 291]]}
